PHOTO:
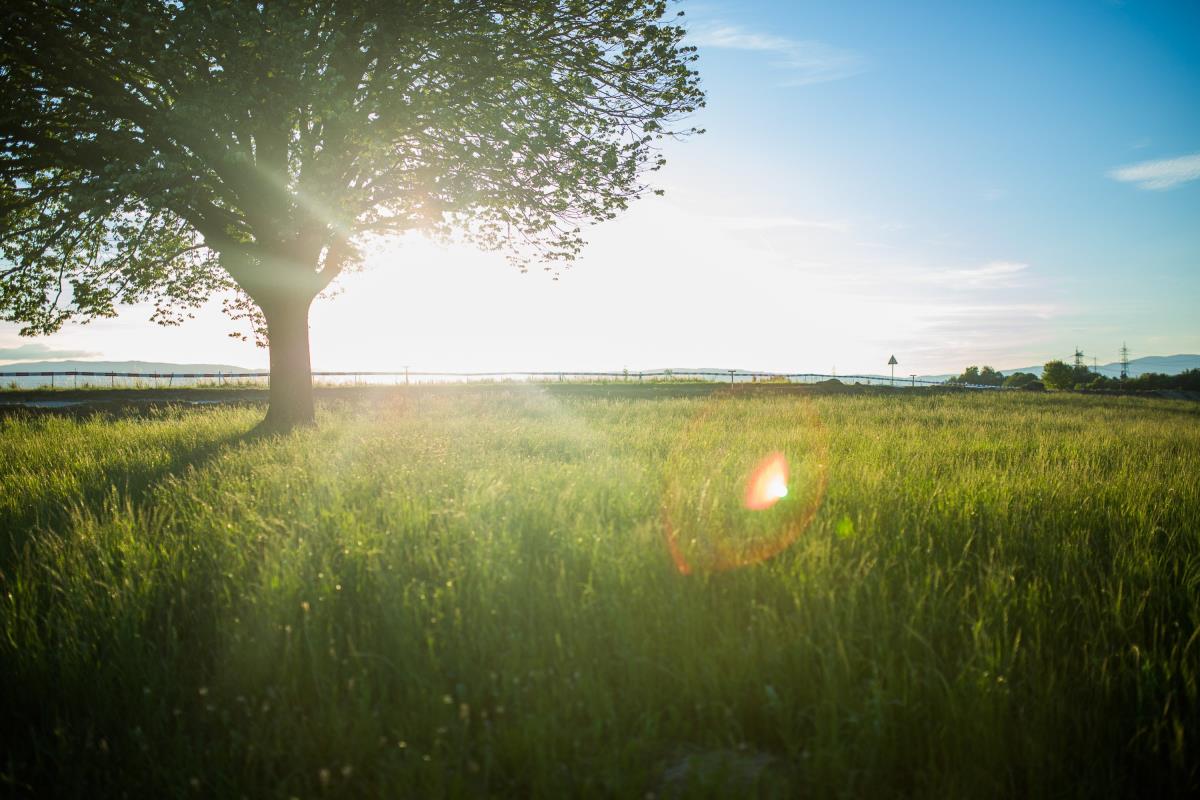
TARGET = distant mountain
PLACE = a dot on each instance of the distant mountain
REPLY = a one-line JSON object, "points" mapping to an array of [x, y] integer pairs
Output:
{"points": [[1169, 365], [721, 374], [104, 366], [119, 366], [1166, 365]]}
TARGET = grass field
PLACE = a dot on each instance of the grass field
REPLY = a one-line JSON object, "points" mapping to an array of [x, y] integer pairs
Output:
{"points": [[471, 591]]}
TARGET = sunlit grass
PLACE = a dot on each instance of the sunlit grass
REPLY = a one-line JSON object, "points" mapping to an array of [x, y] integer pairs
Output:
{"points": [[469, 591]]}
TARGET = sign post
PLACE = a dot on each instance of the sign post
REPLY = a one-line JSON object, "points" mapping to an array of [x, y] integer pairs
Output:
{"points": [[892, 362]]}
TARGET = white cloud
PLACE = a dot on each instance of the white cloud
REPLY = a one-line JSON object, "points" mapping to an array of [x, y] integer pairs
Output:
{"points": [[806, 61], [1161, 174], [36, 351], [997, 274], [774, 223], [993, 275]]}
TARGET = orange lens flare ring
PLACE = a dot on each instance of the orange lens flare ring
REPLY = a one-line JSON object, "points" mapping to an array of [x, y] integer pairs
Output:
{"points": [[766, 485]]}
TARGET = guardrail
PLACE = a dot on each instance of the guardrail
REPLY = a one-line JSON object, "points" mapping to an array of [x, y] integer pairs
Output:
{"points": [[732, 375]]}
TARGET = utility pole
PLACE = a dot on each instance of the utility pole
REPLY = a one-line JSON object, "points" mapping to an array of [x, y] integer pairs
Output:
{"points": [[1124, 362]]}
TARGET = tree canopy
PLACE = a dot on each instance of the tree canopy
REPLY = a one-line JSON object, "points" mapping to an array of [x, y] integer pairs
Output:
{"points": [[169, 150], [1058, 375], [975, 376], [1188, 381], [1019, 380]]}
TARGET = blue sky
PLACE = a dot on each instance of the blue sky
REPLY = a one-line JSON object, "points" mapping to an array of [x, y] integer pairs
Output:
{"points": [[958, 182]]}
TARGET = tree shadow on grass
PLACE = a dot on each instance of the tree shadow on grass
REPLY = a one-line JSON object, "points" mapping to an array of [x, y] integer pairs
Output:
{"points": [[73, 691], [128, 483]]}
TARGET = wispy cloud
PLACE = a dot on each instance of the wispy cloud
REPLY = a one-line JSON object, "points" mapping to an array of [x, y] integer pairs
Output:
{"points": [[993, 275], [1004, 335], [37, 351], [805, 61], [775, 223], [1161, 174]]}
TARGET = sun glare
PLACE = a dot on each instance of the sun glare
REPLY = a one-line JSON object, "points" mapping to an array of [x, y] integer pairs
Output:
{"points": [[767, 484]]}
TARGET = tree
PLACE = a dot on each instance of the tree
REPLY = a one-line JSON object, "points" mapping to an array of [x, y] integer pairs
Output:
{"points": [[974, 376], [171, 150], [1058, 375], [1019, 380], [969, 375], [1188, 380]]}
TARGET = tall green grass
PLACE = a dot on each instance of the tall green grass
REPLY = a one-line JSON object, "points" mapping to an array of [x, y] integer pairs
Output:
{"points": [[468, 592]]}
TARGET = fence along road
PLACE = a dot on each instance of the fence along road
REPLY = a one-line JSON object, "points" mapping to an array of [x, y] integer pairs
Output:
{"points": [[730, 375]]}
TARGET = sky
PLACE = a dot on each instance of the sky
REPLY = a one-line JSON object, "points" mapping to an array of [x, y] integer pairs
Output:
{"points": [[952, 183]]}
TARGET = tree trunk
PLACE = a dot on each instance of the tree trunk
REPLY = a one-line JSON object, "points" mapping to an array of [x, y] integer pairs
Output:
{"points": [[291, 395]]}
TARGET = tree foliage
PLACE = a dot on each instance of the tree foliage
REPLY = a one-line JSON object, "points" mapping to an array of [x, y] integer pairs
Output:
{"points": [[169, 150], [975, 376], [1057, 375], [1188, 380], [1019, 380]]}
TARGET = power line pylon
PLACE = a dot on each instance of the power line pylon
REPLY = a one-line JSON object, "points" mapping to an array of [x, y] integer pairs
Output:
{"points": [[1124, 362]]}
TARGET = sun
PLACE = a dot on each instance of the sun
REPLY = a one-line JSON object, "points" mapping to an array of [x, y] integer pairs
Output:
{"points": [[767, 484]]}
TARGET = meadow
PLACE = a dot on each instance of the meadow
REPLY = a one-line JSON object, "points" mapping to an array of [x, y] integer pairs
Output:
{"points": [[548, 591]]}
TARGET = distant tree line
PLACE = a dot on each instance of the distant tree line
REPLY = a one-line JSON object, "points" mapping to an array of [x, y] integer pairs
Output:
{"points": [[1060, 375], [986, 376]]}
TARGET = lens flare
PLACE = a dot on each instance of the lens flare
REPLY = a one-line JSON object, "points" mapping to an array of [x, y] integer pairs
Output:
{"points": [[768, 483], [721, 504]]}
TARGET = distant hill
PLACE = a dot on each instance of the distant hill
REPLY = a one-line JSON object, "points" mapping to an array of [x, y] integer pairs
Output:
{"points": [[1169, 365], [1166, 365], [721, 374], [106, 366], [119, 366]]}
